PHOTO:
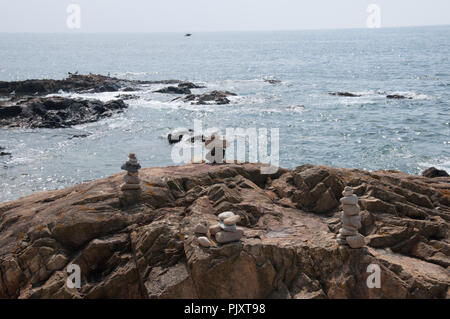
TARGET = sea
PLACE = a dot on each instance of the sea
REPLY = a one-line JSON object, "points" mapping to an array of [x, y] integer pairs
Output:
{"points": [[282, 80]]}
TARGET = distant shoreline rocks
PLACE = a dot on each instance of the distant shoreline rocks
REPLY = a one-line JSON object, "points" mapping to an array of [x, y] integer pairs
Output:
{"points": [[346, 94], [393, 96], [78, 83], [398, 97]]}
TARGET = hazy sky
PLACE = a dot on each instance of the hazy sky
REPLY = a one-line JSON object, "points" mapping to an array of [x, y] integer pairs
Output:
{"points": [[215, 15]]}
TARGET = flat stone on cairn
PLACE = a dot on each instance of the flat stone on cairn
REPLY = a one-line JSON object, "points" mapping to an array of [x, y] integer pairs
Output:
{"points": [[131, 188], [351, 221]]}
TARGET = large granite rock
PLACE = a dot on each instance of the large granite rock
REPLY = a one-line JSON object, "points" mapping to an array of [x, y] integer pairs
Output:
{"points": [[55, 112], [288, 249]]}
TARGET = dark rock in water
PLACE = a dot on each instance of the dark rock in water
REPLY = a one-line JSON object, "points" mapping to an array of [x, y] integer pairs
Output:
{"points": [[7, 111], [174, 90], [272, 81], [4, 153], [177, 135], [79, 136], [127, 97], [433, 172], [213, 97], [190, 85], [346, 94], [55, 112], [398, 97], [92, 83]]}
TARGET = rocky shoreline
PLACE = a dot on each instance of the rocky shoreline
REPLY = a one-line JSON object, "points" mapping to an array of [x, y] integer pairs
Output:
{"points": [[77, 83], [28, 105], [55, 112], [289, 248]]}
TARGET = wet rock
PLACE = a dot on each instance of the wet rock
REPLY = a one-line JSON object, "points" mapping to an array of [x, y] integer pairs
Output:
{"points": [[398, 97], [2, 153], [190, 85], [177, 135], [346, 94], [213, 97], [126, 97], [56, 112], [433, 172], [174, 90], [272, 81]]}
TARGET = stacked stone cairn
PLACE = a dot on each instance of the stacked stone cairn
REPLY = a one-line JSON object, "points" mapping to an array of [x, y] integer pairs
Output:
{"points": [[131, 188], [224, 232], [351, 221]]}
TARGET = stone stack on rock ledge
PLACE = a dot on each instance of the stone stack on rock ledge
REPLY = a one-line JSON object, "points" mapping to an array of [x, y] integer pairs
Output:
{"points": [[289, 247], [226, 230], [351, 221], [131, 188]]}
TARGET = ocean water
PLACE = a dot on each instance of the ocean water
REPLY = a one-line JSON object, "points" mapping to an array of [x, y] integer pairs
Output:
{"points": [[368, 132]]}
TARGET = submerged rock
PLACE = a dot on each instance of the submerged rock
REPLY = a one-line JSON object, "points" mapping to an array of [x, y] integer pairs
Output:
{"points": [[150, 250], [55, 112], [272, 81], [398, 97], [346, 94]]}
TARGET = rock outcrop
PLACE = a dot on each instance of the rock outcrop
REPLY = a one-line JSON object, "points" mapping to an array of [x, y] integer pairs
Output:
{"points": [[213, 97], [93, 83], [433, 172], [289, 248], [174, 90], [182, 88], [55, 112]]}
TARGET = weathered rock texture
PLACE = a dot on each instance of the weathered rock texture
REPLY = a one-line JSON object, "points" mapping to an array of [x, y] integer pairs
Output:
{"points": [[55, 112], [289, 248]]}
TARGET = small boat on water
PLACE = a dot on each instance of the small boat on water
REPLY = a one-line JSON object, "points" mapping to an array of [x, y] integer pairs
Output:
{"points": [[188, 34]]}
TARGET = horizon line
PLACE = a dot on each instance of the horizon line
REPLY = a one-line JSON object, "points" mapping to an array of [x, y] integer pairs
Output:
{"points": [[220, 31]]}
